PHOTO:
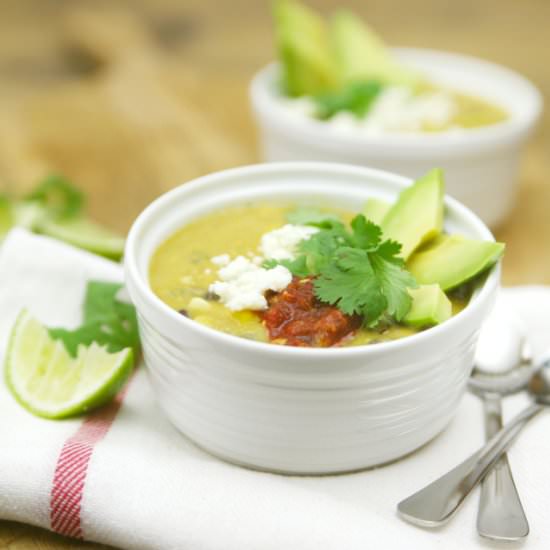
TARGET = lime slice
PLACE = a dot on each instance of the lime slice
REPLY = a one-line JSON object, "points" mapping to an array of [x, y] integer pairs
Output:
{"points": [[48, 382], [85, 234]]}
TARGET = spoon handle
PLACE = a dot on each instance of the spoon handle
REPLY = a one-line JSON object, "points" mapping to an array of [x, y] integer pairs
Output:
{"points": [[500, 513], [436, 503]]}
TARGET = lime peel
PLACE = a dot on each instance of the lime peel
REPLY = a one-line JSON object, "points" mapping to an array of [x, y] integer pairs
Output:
{"points": [[48, 382]]}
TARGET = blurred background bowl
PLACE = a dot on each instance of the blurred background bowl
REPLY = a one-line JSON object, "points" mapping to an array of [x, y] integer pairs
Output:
{"points": [[481, 164]]}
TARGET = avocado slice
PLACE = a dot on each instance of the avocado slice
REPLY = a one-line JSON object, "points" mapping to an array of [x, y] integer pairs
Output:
{"points": [[308, 64], [430, 306], [361, 54], [417, 216], [375, 210], [451, 260]]}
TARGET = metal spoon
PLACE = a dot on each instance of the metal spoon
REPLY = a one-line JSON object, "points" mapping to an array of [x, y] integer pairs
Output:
{"points": [[501, 354], [435, 504]]}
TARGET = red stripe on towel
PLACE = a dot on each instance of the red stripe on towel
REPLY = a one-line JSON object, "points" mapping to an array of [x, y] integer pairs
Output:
{"points": [[72, 467]]}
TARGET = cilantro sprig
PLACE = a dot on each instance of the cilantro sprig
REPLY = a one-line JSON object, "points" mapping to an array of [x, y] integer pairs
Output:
{"points": [[55, 208], [57, 196], [107, 321], [305, 215], [357, 271], [356, 98]]}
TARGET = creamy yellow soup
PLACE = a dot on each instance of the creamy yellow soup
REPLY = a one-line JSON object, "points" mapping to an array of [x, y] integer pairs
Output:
{"points": [[472, 112], [181, 270]]}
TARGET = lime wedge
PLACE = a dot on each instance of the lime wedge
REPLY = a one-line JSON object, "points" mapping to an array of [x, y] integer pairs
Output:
{"points": [[85, 234], [50, 383]]}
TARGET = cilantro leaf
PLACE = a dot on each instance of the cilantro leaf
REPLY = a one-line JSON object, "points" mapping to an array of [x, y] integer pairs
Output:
{"points": [[393, 278], [356, 97], [366, 234], [107, 321], [57, 196], [315, 251], [351, 284], [311, 216], [355, 271], [320, 247]]}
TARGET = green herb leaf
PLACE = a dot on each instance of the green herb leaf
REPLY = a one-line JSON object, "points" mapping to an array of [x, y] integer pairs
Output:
{"points": [[107, 321], [393, 278], [58, 196], [366, 234], [356, 97], [311, 216], [357, 272], [351, 284]]}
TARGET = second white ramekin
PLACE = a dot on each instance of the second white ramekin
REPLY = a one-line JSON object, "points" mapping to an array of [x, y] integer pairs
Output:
{"points": [[481, 164]]}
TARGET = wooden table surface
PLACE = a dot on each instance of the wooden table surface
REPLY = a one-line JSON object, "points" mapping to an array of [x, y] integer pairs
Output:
{"points": [[129, 99]]}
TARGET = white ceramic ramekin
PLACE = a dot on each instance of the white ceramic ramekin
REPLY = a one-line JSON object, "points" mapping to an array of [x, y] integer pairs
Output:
{"points": [[299, 410], [481, 165]]}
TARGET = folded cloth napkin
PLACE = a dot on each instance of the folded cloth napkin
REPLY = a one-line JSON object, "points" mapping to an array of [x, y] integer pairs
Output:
{"points": [[123, 476]]}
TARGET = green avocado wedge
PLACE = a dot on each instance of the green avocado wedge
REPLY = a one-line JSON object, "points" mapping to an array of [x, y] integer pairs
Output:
{"points": [[451, 260], [417, 215], [308, 64], [375, 210], [430, 306], [362, 55]]}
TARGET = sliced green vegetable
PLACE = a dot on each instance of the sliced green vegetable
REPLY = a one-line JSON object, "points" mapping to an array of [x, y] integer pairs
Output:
{"points": [[430, 306], [451, 260], [307, 62], [361, 54], [417, 216], [375, 210]]}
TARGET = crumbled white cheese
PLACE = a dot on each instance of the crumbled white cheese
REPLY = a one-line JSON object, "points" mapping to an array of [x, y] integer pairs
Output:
{"points": [[396, 109], [302, 106], [399, 109], [280, 244], [242, 284], [222, 259]]}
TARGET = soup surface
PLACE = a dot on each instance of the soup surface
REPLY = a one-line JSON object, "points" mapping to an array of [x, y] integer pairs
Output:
{"points": [[429, 109], [181, 270], [471, 112]]}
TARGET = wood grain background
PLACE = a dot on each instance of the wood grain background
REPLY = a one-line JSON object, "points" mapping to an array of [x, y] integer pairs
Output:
{"points": [[130, 98]]}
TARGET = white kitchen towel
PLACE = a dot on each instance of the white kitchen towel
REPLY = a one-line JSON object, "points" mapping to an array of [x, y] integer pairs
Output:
{"points": [[125, 477]]}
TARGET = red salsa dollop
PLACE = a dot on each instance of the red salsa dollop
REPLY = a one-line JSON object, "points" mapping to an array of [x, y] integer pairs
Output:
{"points": [[295, 317]]}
